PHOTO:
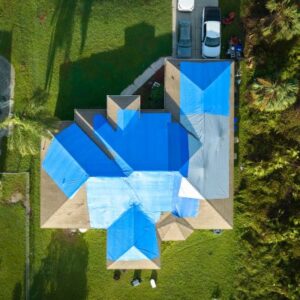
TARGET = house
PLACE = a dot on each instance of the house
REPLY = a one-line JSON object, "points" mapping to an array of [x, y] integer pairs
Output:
{"points": [[146, 176]]}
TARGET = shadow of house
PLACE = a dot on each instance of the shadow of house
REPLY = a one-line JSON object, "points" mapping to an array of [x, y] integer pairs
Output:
{"points": [[62, 274], [5, 44], [86, 82]]}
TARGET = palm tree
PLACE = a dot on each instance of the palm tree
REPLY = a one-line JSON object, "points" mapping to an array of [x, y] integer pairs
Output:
{"points": [[29, 124], [284, 20], [272, 96]]}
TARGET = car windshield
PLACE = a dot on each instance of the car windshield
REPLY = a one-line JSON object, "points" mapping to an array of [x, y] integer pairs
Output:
{"points": [[212, 42]]}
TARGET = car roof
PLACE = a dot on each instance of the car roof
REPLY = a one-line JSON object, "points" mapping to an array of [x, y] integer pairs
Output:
{"points": [[213, 26], [185, 30], [186, 4]]}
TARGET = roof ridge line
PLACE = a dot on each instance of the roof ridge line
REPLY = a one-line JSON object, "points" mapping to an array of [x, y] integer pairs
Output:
{"points": [[91, 137], [56, 210], [219, 213], [108, 149], [217, 77], [114, 153], [75, 161]]}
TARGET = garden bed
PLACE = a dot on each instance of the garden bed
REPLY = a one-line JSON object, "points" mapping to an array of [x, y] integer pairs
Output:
{"points": [[152, 92]]}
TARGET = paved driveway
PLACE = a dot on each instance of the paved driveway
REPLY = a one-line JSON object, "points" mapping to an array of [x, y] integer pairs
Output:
{"points": [[195, 17]]}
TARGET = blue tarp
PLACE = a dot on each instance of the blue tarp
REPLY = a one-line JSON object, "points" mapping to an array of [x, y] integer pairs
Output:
{"points": [[73, 157], [151, 157], [132, 237], [204, 88], [204, 108], [154, 192], [183, 207], [144, 141], [209, 165]]}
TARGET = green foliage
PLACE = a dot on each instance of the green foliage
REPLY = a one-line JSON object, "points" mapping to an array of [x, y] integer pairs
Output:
{"points": [[283, 21], [271, 96], [156, 98], [157, 93], [292, 62], [267, 199], [29, 124], [289, 125]]}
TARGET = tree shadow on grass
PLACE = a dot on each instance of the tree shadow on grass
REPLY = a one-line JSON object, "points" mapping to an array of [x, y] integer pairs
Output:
{"points": [[86, 82], [17, 292], [63, 20], [86, 10], [62, 274], [5, 44]]}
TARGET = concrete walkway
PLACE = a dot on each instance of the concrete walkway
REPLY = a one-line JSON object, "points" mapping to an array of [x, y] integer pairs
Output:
{"points": [[196, 19]]}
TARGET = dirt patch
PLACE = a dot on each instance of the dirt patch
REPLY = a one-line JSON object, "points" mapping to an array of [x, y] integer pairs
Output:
{"points": [[16, 197]]}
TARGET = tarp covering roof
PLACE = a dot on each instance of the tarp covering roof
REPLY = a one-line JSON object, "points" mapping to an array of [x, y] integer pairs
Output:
{"points": [[154, 165], [155, 192], [132, 237], [204, 88], [73, 157], [204, 112], [144, 141]]}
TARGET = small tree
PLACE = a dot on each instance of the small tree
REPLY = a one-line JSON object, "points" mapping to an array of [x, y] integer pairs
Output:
{"points": [[272, 96], [29, 124], [283, 23]]}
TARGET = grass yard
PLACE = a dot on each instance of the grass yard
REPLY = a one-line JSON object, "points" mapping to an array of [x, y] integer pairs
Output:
{"points": [[12, 237], [81, 50], [74, 268]]}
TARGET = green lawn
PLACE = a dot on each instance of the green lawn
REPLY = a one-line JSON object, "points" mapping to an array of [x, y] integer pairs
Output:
{"points": [[12, 238], [81, 50], [74, 267]]}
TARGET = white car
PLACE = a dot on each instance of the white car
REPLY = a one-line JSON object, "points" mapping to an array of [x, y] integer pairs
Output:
{"points": [[211, 32], [186, 5]]}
